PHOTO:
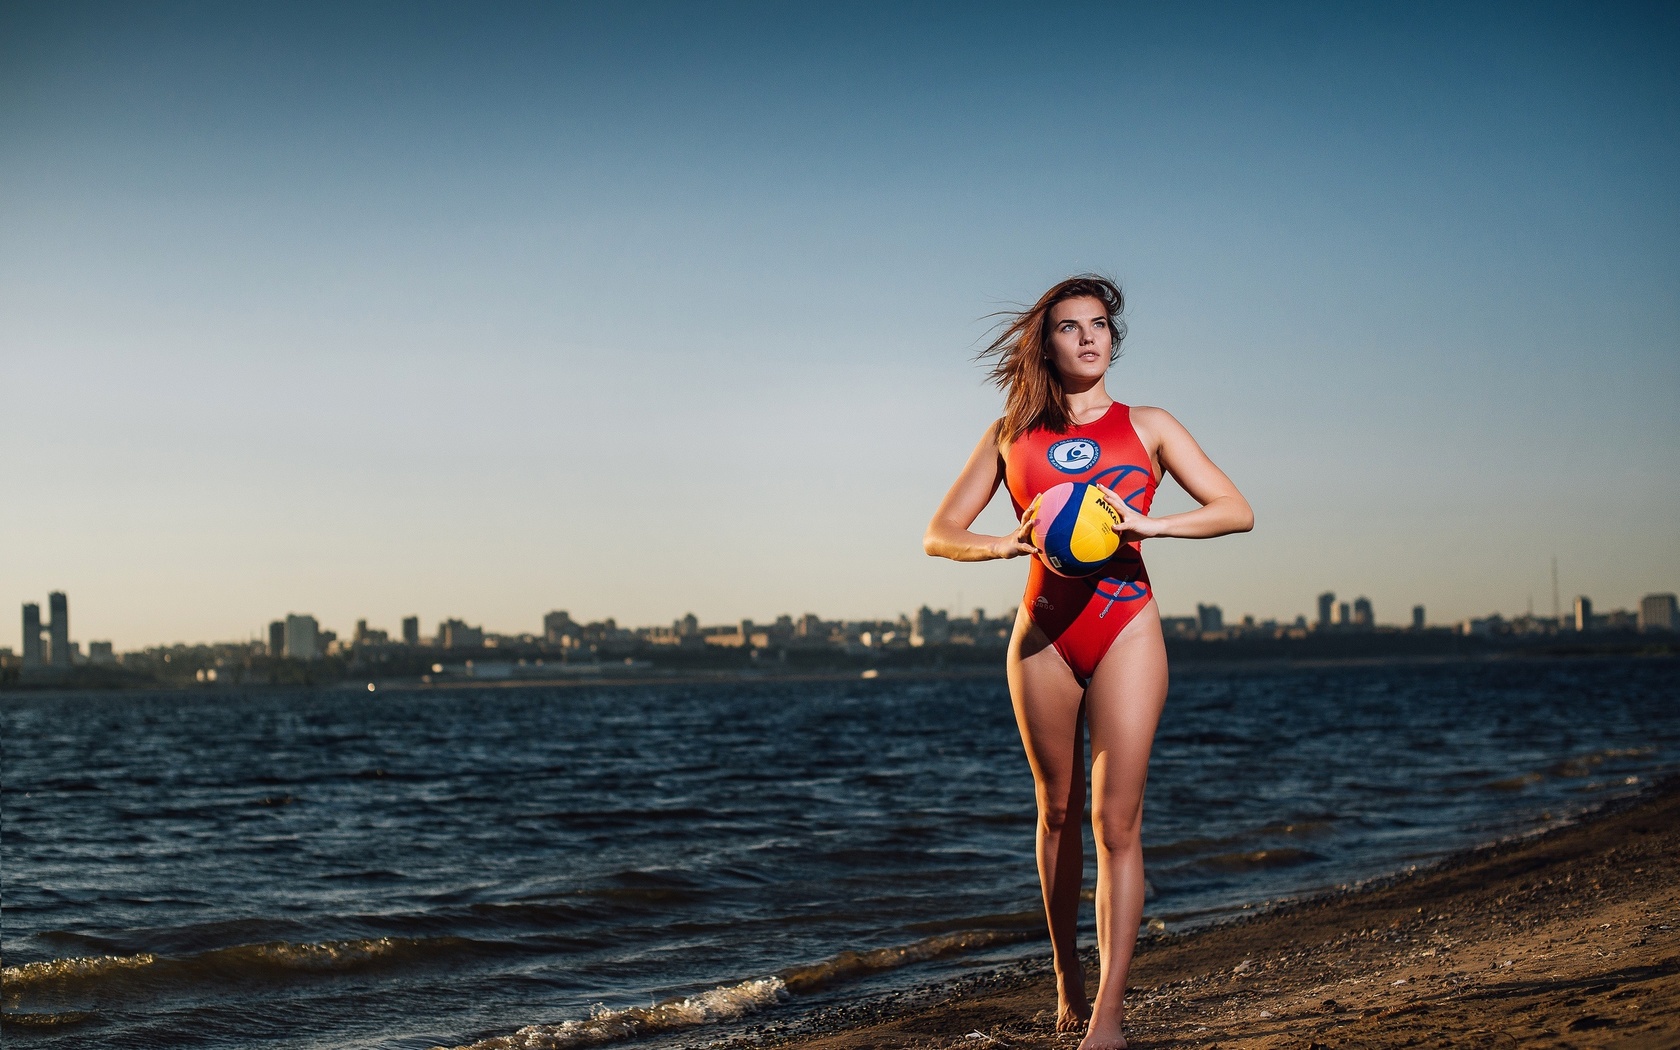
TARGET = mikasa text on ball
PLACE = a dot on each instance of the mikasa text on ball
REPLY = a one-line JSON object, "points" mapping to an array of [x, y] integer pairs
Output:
{"points": [[1075, 533]]}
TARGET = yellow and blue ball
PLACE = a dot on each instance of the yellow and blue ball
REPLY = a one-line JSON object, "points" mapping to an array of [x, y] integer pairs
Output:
{"points": [[1075, 533]]}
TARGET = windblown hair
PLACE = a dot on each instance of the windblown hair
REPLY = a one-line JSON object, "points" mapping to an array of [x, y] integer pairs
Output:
{"points": [[1033, 393]]}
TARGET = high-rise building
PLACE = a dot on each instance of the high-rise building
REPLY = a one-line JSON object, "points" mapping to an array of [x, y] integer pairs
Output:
{"points": [[411, 630], [302, 637], [59, 629], [277, 639], [1344, 615], [558, 625], [456, 634], [1658, 612], [930, 628], [361, 635], [1583, 613], [1326, 605], [31, 636], [1364, 617], [1209, 618], [1417, 617], [101, 653]]}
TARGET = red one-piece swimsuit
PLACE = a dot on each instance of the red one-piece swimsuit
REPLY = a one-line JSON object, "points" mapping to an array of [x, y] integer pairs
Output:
{"points": [[1083, 615]]}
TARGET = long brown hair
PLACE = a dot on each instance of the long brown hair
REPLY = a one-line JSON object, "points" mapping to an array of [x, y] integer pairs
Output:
{"points": [[1033, 394]]}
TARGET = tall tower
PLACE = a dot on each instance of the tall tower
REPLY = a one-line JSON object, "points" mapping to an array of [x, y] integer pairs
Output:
{"points": [[411, 630], [1326, 602], [31, 636], [1583, 613], [60, 629]]}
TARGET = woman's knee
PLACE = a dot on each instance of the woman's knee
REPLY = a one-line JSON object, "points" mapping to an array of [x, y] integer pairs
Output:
{"points": [[1118, 828], [1053, 816]]}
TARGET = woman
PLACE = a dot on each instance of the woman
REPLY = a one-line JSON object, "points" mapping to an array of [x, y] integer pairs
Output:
{"points": [[1086, 651]]}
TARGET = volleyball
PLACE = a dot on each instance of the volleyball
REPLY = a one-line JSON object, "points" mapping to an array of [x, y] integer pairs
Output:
{"points": [[1075, 533]]}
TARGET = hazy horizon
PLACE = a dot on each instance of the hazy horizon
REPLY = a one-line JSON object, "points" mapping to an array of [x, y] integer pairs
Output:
{"points": [[389, 310]]}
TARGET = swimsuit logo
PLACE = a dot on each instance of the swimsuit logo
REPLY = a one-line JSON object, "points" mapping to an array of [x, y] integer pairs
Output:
{"points": [[1043, 603], [1074, 455]]}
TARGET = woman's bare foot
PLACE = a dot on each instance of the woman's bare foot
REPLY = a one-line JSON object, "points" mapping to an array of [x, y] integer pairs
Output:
{"points": [[1103, 1038], [1073, 1010], [1071, 1018]]}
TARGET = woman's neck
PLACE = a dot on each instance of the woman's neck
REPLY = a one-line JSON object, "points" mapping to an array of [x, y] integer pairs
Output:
{"points": [[1085, 405]]}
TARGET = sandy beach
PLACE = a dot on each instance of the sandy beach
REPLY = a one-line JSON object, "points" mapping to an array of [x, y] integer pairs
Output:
{"points": [[1570, 938]]}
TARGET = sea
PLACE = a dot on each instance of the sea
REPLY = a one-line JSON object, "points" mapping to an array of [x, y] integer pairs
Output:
{"points": [[636, 864]]}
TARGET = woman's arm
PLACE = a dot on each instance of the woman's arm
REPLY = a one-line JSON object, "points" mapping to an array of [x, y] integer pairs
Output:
{"points": [[1223, 509], [948, 535]]}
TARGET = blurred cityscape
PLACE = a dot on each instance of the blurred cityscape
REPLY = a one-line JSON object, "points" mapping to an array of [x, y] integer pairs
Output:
{"points": [[298, 649]]}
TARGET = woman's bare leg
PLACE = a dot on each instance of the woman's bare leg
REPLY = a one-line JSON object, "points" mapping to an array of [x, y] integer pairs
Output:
{"points": [[1048, 711], [1122, 706]]}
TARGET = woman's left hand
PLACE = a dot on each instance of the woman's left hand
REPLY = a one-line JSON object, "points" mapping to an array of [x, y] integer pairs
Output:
{"points": [[1133, 525]]}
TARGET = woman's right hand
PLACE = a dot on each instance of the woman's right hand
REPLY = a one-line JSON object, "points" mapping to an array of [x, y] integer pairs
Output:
{"points": [[1020, 541]]}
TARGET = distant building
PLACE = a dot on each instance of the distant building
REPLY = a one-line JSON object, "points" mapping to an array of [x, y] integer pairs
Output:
{"points": [[31, 637], [1326, 604], [411, 630], [101, 653], [1417, 618], [456, 634], [1364, 617], [1583, 613], [930, 628], [277, 639], [302, 637], [558, 626], [1658, 612], [59, 629], [1179, 626], [1209, 618], [1484, 626], [1344, 614]]}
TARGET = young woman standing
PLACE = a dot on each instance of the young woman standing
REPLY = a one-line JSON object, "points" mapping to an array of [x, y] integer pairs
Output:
{"points": [[1087, 651]]}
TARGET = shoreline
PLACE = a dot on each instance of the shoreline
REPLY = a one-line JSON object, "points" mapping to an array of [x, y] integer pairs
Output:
{"points": [[1568, 937], [612, 675]]}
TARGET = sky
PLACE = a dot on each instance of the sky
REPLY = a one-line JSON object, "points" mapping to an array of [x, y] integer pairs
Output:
{"points": [[479, 311]]}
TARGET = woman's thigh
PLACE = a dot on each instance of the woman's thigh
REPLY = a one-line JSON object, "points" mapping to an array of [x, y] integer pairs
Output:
{"points": [[1122, 708], [1048, 702]]}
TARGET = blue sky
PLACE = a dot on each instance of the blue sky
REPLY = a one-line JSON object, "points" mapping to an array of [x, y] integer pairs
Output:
{"points": [[369, 310]]}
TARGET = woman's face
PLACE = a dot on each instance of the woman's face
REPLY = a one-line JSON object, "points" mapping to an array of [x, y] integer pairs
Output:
{"points": [[1080, 339]]}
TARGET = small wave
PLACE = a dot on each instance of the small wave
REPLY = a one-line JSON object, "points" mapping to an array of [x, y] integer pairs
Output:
{"points": [[607, 1026], [1583, 765], [1256, 859], [61, 972], [851, 966], [731, 1002], [35, 1019], [250, 961], [1304, 828]]}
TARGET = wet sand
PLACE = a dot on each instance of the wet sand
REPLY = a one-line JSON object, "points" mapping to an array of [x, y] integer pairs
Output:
{"points": [[1566, 939]]}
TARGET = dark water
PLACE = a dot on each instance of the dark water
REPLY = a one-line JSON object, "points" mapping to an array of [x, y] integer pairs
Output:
{"points": [[338, 869]]}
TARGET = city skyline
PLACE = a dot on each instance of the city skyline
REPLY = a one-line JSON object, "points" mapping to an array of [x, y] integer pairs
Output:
{"points": [[319, 307], [47, 644]]}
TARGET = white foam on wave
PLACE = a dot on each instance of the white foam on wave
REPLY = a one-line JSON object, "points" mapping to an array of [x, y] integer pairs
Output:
{"points": [[255, 960], [54, 971], [726, 1003]]}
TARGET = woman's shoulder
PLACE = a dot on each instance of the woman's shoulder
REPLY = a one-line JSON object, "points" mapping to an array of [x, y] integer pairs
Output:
{"points": [[1150, 416], [1153, 424], [994, 434]]}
